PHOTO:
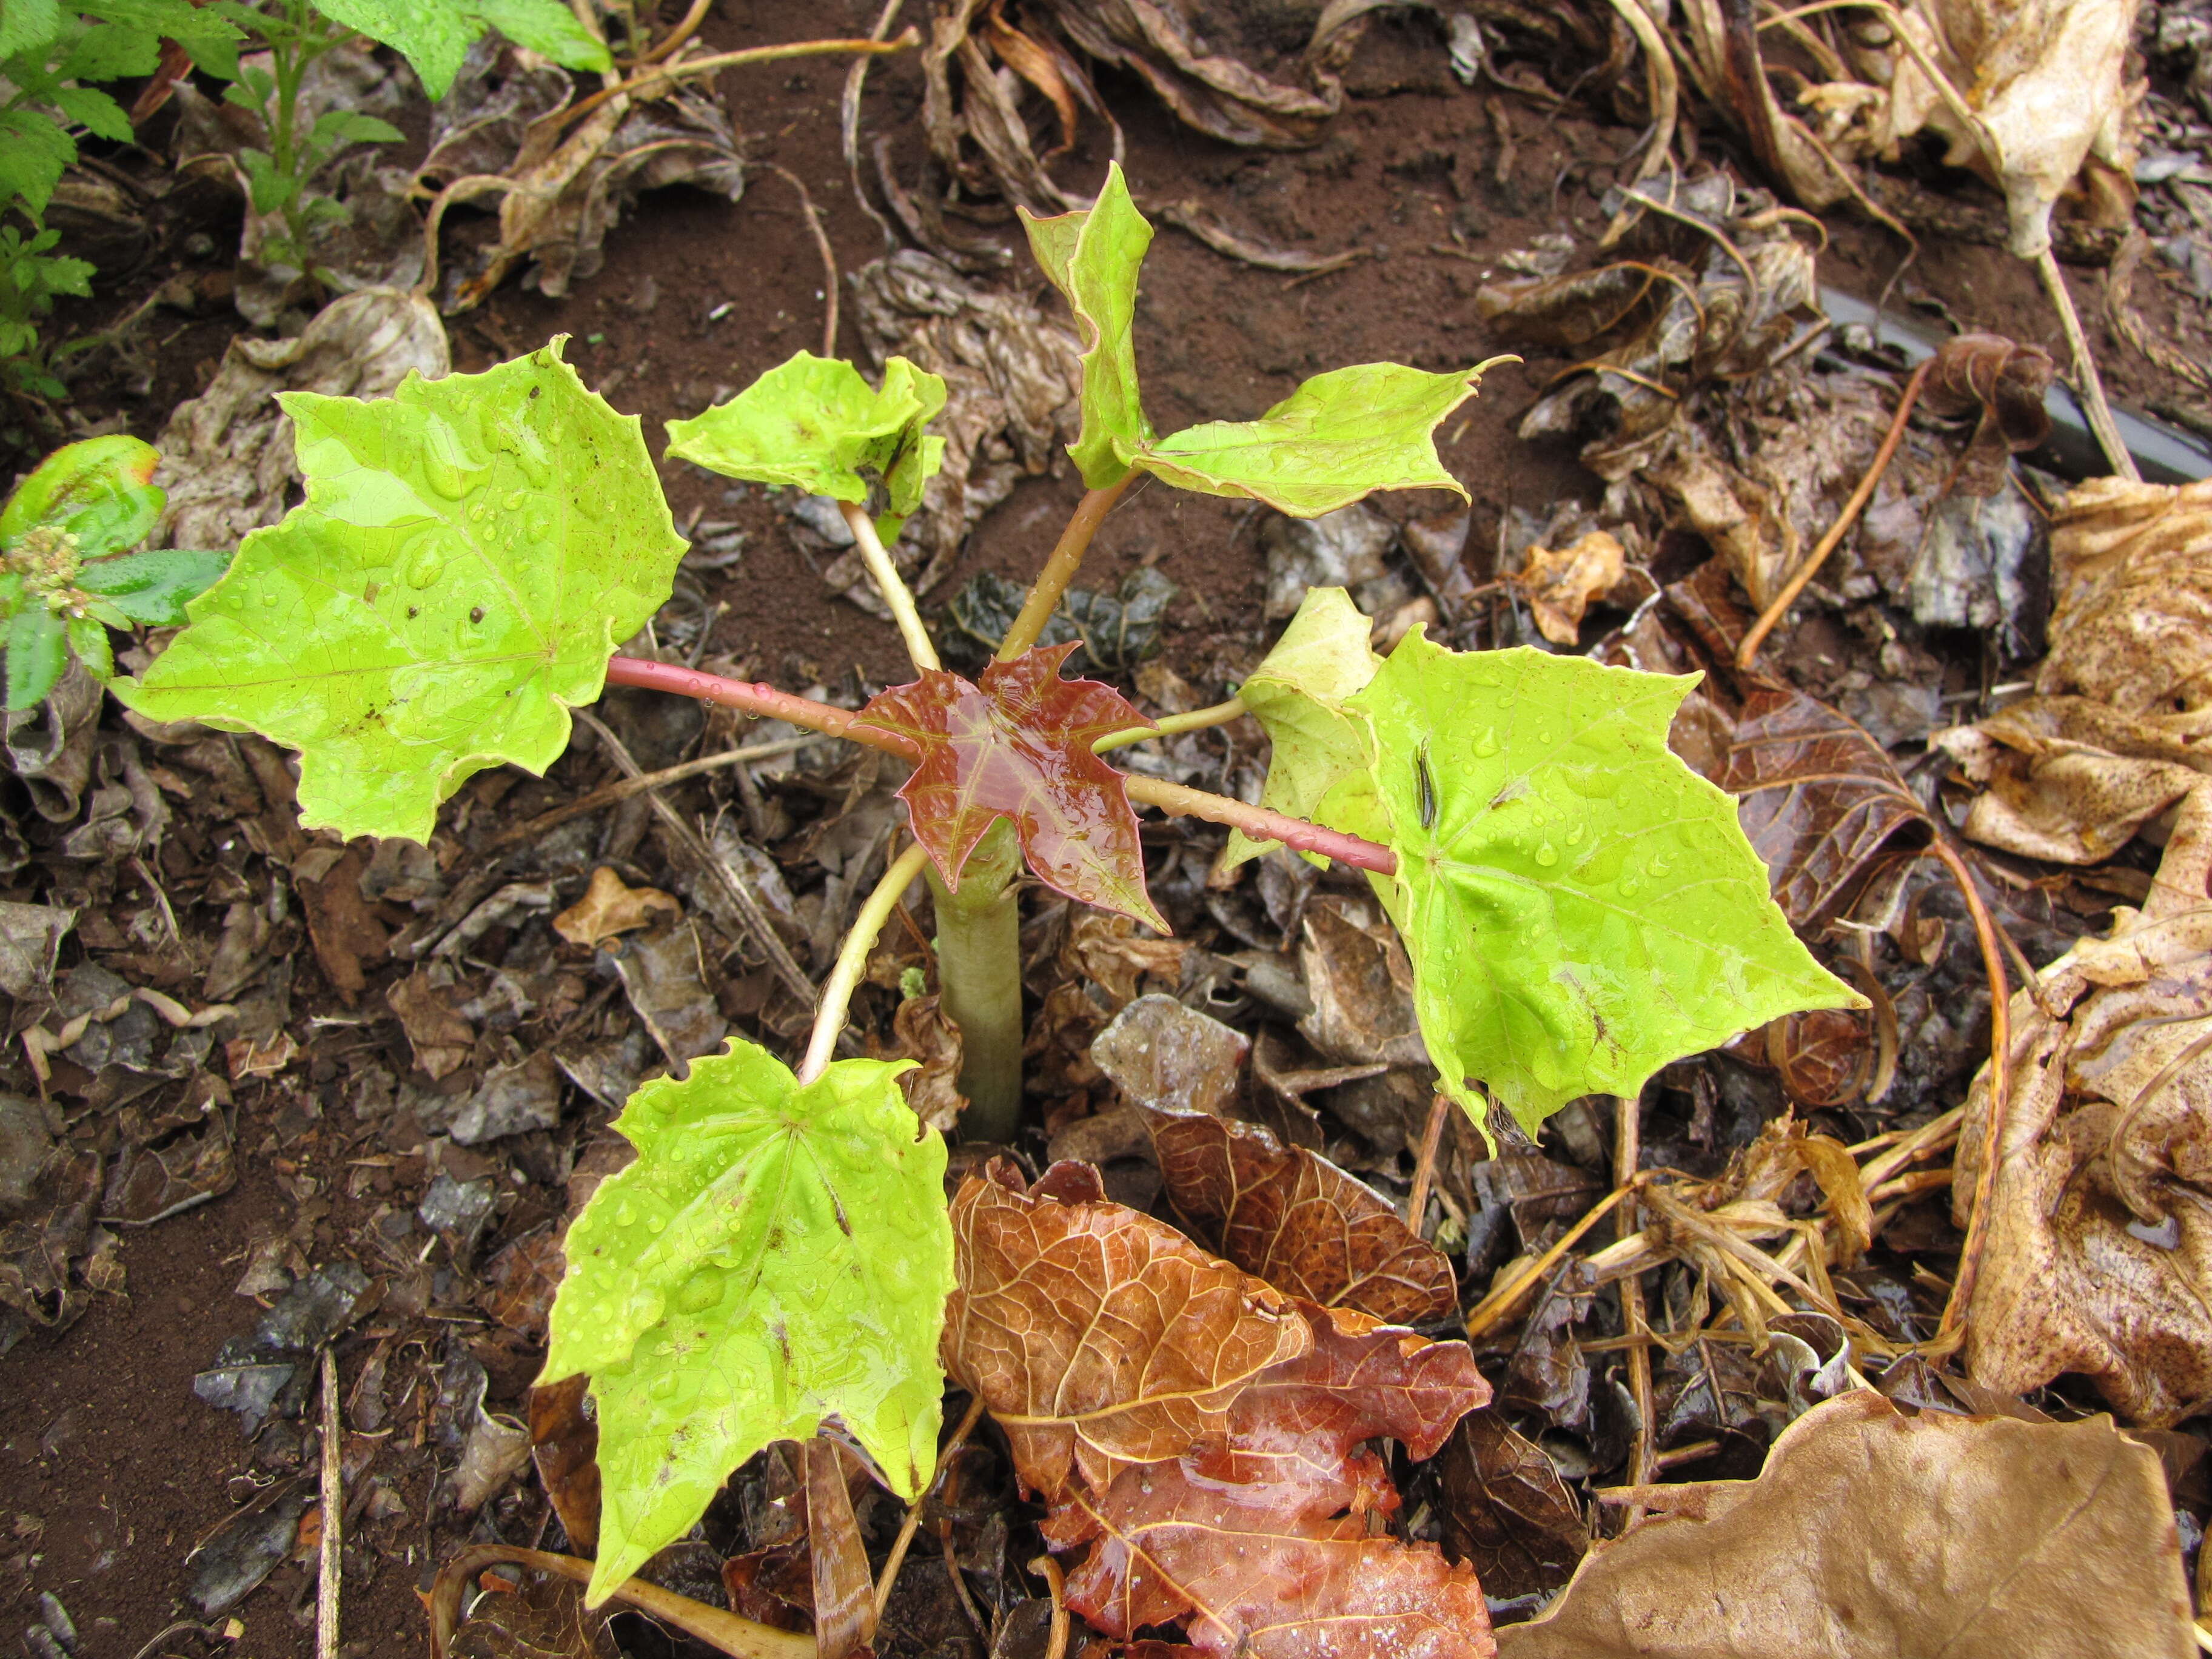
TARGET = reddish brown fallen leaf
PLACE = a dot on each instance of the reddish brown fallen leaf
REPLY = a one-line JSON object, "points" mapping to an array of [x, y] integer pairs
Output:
{"points": [[2004, 382], [346, 934], [1506, 1512], [1298, 1221], [1095, 1334], [520, 1284], [1016, 744], [439, 1037], [844, 1589], [564, 1443], [1263, 1580], [1870, 1533]]}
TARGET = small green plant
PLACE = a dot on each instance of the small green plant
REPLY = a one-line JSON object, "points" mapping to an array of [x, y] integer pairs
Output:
{"points": [[32, 276], [1579, 908], [432, 36], [67, 575]]}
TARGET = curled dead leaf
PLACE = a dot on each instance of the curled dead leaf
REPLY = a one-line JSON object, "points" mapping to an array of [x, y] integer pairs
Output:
{"points": [[1559, 584]]}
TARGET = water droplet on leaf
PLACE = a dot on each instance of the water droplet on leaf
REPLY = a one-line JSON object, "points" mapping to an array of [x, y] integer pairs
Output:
{"points": [[1547, 854]]}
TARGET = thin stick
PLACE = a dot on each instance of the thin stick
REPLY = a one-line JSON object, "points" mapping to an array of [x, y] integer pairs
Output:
{"points": [[1174, 798], [1627, 1152], [1425, 1161], [896, 1559], [1953, 1328], [1179, 801], [683, 31], [1059, 569], [1167, 726], [622, 789], [821, 246], [1048, 1569], [890, 585], [648, 82], [333, 1495], [2088, 382], [1748, 652], [740, 892], [853, 961], [1493, 1308]]}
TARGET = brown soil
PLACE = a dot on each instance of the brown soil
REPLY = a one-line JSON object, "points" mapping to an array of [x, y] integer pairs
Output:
{"points": [[110, 1468]]}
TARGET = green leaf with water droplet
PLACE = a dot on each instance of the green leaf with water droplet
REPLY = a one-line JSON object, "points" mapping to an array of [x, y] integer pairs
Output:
{"points": [[1297, 693], [779, 1254], [1339, 437], [1579, 906], [1093, 256], [470, 553], [813, 423]]}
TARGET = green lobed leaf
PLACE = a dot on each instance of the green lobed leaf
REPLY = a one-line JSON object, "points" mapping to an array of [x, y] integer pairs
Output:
{"points": [[37, 654], [548, 29], [96, 111], [99, 490], [108, 52], [1093, 256], [814, 424], [152, 588], [1298, 693], [1580, 907], [26, 25], [34, 153], [432, 35], [1338, 437], [470, 553], [779, 1254]]}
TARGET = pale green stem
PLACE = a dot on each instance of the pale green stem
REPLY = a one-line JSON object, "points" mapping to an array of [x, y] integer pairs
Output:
{"points": [[979, 971], [890, 585], [1167, 725], [853, 961]]}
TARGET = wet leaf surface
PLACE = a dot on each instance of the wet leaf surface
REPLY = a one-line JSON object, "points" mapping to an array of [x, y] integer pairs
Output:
{"points": [[1507, 1513], [761, 1201], [1016, 744]]}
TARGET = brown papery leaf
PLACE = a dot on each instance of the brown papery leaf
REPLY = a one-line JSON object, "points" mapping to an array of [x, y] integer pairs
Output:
{"points": [[844, 1589], [1870, 1535], [564, 1445], [1266, 1579], [2124, 702], [1559, 584], [610, 906], [1298, 1221], [1506, 1511], [1096, 1335], [2100, 1224]]}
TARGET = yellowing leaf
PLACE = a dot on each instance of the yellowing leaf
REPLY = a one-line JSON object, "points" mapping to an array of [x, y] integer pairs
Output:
{"points": [[815, 424], [778, 1253], [1298, 693], [470, 553], [1580, 907]]}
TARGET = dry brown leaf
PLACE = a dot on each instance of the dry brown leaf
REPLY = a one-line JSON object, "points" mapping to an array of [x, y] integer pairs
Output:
{"points": [[439, 1038], [1506, 1511], [1295, 1219], [1361, 984], [1162, 1054], [926, 1034], [609, 908], [2099, 1232], [1870, 1533], [2115, 733], [844, 1589], [1559, 584], [1110, 952], [1094, 1333]]}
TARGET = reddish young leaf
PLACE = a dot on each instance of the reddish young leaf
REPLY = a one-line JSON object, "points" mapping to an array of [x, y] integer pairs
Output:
{"points": [[1298, 1221], [1098, 1336], [1017, 744], [1268, 1580]]}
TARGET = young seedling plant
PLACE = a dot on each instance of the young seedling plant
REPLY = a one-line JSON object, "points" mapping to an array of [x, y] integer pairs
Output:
{"points": [[1578, 907]]}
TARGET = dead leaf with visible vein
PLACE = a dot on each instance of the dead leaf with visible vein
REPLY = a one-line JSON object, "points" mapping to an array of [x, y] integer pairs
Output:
{"points": [[1506, 1511], [1870, 1533], [611, 908], [2100, 1224], [1560, 584], [1292, 1218]]}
